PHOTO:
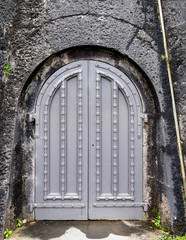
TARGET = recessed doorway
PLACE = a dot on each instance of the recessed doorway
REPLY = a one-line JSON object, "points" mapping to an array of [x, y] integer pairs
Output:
{"points": [[88, 145]]}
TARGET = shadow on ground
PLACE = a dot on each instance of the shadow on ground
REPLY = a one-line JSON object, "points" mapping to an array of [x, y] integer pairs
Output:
{"points": [[45, 230]]}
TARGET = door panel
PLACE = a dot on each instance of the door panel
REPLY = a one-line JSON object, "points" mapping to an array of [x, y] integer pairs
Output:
{"points": [[114, 119], [88, 145], [71, 137], [123, 152], [105, 136], [61, 159], [53, 140]]}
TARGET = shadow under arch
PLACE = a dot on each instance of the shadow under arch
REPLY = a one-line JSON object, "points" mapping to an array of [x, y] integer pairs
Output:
{"points": [[26, 126]]}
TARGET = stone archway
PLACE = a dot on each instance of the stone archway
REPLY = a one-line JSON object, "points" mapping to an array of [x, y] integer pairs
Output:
{"points": [[123, 68]]}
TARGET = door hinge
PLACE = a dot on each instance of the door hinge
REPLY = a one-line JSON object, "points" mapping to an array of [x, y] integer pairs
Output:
{"points": [[32, 117], [125, 204], [31, 208], [56, 205], [144, 116], [145, 207]]}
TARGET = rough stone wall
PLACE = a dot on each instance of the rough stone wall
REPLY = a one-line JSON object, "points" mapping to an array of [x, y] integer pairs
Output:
{"points": [[175, 18], [6, 137], [31, 30], [175, 24]]}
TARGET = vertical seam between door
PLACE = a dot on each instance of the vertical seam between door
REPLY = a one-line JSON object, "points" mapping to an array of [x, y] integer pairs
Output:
{"points": [[88, 123]]}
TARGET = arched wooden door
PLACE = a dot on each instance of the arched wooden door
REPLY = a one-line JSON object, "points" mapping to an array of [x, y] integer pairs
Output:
{"points": [[88, 145]]}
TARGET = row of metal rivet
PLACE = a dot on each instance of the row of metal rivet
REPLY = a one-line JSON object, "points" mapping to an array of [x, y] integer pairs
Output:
{"points": [[115, 130], [98, 135], [80, 133], [63, 138]]}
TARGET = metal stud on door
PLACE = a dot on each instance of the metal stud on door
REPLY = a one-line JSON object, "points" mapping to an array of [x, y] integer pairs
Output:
{"points": [[88, 102]]}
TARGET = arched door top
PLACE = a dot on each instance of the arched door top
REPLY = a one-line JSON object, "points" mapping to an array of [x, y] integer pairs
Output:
{"points": [[128, 88]]}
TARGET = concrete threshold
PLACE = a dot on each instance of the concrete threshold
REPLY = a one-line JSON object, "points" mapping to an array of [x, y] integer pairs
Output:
{"points": [[84, 230]]}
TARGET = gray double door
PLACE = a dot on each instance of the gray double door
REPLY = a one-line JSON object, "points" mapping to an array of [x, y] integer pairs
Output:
{"points": [[88, 145]]}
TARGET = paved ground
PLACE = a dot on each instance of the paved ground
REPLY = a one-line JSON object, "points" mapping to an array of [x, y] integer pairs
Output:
{"points": [[84, 230]]}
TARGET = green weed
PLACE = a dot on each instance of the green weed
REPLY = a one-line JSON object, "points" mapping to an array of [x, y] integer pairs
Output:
{"points": [[171, 237], [19, 223], [157, 221], [166, 235], [7, 233], [165, 58], [42, 69], [7, 69]]}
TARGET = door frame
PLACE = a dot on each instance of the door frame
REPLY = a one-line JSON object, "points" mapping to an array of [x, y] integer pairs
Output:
{"points": [[135, 106], [27, 103]]}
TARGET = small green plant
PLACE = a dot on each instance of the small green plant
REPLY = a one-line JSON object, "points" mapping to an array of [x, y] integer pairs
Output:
{"points": [[7, 233], [19, 223], [165, 58], [7, 69], [171, 237], [157, 221], [53, 51], [42, 68], [166, 235]]}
